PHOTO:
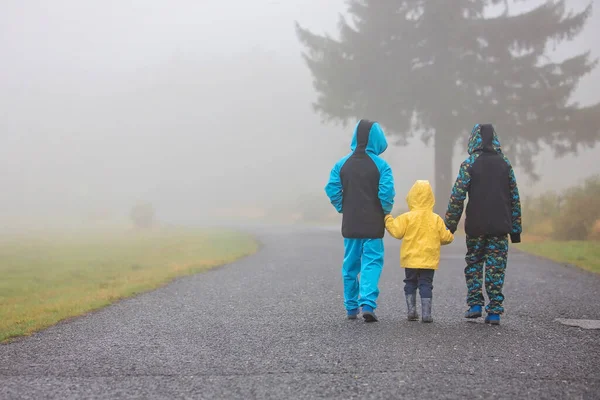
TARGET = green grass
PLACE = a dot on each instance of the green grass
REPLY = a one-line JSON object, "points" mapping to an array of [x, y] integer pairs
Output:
{"points": [[584, 254], [47, 279]]}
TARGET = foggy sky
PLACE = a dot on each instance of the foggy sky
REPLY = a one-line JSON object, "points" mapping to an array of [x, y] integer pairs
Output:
{"points": [[193, 106]]}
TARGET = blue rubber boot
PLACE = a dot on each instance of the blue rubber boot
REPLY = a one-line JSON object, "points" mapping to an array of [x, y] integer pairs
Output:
{"points": [[352, 314], [492, 319], [369, 314], [473, 312]]}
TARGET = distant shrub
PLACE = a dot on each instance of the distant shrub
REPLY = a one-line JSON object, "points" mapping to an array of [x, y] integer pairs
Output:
{"points": [[579, 211], [543, 228], [143, 216], [539, 213], [595, 232], [313, 208]]}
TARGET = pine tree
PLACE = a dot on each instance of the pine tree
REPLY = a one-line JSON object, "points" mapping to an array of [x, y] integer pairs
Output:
{"points": [[438, 67]]}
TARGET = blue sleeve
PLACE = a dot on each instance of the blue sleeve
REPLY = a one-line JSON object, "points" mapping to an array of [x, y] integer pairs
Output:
{"points": [[386, 188], [515, 204], [333, 189], [386, 184], [459, 195]]}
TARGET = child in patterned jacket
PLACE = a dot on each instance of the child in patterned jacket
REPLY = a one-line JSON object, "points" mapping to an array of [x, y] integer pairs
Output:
{"points": [[493, 215]]}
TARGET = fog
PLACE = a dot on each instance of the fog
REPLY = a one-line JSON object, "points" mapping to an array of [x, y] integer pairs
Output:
{"points": [[202, 108]]}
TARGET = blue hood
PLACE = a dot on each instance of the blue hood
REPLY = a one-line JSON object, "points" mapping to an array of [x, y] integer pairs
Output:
{"points": [[368, 137]]}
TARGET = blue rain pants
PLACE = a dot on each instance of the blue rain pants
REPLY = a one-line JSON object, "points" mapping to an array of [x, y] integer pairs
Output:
{"points": [[364, 257]]}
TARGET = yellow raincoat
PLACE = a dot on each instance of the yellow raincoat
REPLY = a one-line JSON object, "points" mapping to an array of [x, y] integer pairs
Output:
{"points": [[423, 231]]}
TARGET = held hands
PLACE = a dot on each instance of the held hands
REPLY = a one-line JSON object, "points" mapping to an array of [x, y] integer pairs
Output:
{"points": [[452, 231]]}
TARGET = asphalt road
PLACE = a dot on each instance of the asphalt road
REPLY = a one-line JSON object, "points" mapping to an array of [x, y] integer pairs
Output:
{"points": [[273, 326]]}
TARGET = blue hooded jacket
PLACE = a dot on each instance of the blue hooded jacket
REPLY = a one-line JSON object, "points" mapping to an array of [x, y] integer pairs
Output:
{"points": [[361, 185]]}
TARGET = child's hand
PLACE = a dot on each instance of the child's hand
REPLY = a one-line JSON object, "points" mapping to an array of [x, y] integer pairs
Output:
{"points": [[389, 219], [396, 226]]}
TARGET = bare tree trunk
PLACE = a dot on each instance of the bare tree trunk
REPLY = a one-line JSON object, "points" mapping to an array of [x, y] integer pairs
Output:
{"points": [[444, 151]]}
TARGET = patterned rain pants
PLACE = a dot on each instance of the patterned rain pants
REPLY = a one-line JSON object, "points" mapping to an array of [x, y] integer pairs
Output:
{"points": [[491, 251]]}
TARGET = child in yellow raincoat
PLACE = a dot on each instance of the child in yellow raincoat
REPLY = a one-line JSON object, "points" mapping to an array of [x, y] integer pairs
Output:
{"points": [[423, 233]]}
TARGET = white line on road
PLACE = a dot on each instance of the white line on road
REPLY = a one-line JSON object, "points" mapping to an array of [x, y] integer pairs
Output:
{"points": [[582, 323]]}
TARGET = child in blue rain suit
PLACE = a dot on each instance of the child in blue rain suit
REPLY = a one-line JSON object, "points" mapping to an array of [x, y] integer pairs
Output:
{"points": [[361, 188]]}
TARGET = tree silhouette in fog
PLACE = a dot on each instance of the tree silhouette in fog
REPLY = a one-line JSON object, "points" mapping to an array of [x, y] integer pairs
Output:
{"points": [[438, 67]]}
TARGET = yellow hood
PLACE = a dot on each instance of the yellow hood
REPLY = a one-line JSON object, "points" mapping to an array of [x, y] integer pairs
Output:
{"points": [[420, 196]]}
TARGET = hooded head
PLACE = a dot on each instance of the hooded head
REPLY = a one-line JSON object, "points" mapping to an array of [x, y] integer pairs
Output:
{"points": [[420, 196], [368, 137], [484, 139]]}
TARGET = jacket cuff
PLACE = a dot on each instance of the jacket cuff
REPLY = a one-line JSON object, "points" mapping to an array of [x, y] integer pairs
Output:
{"points": [[450, 228], [515, 237]]}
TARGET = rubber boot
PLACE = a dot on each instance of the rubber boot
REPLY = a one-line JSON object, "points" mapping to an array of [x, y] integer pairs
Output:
{"points": [[473, 312], [426, 310], [492, 319], [411, 306]]}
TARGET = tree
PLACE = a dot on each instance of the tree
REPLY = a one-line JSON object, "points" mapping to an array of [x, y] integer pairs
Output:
{"points": [[438, 67]]}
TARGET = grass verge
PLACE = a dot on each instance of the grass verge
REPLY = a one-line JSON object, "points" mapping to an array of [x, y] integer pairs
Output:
{"points": [[584, 254], [47, 279]]}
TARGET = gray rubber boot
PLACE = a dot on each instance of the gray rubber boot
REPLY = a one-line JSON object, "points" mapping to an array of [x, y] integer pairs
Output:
{"points": [[426, 310], [411, 306]]}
